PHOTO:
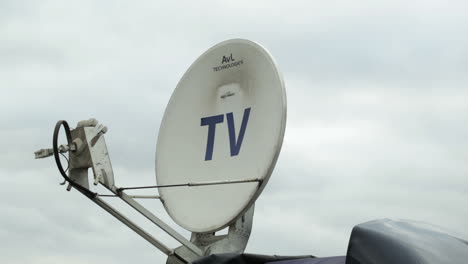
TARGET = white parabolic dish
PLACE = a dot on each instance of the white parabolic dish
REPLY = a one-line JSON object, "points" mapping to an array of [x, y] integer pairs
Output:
{"points": [[225, 121]]}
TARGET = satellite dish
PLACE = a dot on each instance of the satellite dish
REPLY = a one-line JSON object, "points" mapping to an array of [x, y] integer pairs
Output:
{"points": [[224, 123]]}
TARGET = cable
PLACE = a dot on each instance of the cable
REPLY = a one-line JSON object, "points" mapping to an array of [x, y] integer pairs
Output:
{"points": [[68, 162], [82, 189], [68, 166]]}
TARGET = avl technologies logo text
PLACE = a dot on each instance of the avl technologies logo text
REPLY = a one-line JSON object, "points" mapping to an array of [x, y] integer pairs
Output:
{"points": [[228, 62]]}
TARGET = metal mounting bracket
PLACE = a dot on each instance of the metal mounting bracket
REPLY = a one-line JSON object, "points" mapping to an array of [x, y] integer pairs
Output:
{"points": [[89, 150]]}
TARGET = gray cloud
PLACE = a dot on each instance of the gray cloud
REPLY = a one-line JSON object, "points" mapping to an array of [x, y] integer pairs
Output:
{"points": [[376, 116]]}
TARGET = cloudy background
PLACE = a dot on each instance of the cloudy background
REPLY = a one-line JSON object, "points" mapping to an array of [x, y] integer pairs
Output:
{"points": [[377, 116]]}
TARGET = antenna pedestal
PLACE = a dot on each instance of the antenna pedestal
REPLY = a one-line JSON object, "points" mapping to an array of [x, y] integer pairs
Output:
{"points": [[235, 241]]}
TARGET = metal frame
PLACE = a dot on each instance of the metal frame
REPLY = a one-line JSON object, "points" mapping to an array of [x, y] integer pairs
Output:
{"points": [[89, 150]]}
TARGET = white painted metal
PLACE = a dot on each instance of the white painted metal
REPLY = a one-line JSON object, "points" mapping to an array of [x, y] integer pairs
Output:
{"points": [[95, 155], [101, 163], [161, 224], [230, 79], [155, 242], [235, 241], [236, 86]]}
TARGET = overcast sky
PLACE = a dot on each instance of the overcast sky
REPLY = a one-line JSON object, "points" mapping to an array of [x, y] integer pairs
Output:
{"points": [[377, 116]]}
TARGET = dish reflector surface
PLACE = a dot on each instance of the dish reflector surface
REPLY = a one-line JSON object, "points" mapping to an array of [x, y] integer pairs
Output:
{"points": [[225, 121]]}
